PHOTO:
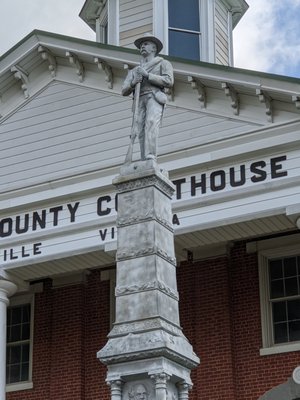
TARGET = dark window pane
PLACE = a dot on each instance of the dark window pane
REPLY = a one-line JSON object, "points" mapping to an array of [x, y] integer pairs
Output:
{"points": [[15, 333], [25, 372], [184, 14], [291, 286], [290, 266], [25, 331], [26, 313], [9, 316], [7, 355], [276, 269], [15, 354], [25, 353], [277, 289], [14, 372], [294, 330], [185, 45], [16, 315], [279, 311], [293, 309], [280, 333]]}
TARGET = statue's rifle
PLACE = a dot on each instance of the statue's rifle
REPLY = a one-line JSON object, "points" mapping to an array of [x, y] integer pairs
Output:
{"points": [[134, 128]]}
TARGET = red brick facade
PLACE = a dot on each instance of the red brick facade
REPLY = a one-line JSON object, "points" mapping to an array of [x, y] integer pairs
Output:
{"points": [[220, 314]]}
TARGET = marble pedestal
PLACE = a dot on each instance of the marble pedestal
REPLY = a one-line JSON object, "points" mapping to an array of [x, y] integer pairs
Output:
{"points": [[147, 355]]}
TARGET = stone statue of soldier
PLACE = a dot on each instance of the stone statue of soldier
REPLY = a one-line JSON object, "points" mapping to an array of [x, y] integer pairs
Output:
{"points": [[148, 82]]}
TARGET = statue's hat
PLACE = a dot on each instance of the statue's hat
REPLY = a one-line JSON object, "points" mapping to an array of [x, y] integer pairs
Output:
{"points": [[149, 38]]}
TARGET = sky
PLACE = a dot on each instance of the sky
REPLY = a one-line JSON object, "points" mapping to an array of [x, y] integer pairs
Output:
{"points": [[266, 39]]}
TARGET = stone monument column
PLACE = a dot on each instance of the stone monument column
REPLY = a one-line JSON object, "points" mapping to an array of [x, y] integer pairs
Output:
{"points": [[147, 355]]}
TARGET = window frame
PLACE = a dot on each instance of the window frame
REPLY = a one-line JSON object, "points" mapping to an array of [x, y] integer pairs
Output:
{"points": [[207, 32], [272, 249], [107, 23], [16, 301]]}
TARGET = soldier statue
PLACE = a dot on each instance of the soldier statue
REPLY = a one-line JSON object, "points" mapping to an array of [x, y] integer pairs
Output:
{"points": [[148, 82]]}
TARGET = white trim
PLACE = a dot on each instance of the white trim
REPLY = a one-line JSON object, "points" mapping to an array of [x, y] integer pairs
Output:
{"points": [[15, 387], [230, 39], [161, 23], [267, 249], [15, 301], [113, 22], [210, 37], [285, 348]]}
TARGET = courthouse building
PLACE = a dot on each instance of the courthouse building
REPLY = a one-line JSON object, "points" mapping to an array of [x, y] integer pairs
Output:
{"points": [[231, 143]]}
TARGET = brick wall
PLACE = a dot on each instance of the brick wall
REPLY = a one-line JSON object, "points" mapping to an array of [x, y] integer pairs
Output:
{"points": [[70, 326], [220, 315]]}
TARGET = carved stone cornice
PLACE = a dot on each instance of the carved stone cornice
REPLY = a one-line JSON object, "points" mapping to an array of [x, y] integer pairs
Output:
{"points": [[144, 325], [154, 285], [154, 250], [125, 221], [143, 182]]}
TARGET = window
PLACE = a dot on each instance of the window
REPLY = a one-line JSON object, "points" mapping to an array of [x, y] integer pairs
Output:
{"points": [[284, 275], [107, 23], [102, 26], [279, 275], [184, 29], [19, 340]]}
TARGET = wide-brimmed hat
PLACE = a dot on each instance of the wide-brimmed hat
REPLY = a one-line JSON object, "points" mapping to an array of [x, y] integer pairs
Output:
{"points": [[149, 38]]}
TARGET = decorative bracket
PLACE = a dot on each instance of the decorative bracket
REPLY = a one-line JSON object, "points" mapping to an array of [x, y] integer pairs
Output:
{"points": [[235, 101], [74, 60], [296, 100], [106, 68], [47, 55], [196, 85], [21, 75], [265, 98]]}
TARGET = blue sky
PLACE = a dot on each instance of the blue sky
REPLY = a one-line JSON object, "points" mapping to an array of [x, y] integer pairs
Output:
{"points": [[266, 39]]}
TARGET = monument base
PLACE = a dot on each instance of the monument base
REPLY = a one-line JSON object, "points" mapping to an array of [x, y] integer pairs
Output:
{"points": [[147, 355]]}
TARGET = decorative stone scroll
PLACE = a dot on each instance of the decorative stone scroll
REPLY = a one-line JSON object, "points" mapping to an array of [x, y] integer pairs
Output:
{"points": [[22, 75], [197, 85], [296, 100], [266, 99], [107, 69], [235, 101], [74, 60], [48, 56], [124, 290]]}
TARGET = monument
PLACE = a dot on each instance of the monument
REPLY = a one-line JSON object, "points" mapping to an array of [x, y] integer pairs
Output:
{"points": [[147, 355]]}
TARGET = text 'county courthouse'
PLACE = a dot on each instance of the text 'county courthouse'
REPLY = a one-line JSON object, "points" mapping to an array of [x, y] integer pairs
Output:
{"points": [[230, 141]]}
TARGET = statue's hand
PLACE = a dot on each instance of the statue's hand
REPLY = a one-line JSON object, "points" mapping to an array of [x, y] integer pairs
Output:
{"points": [[137, 77], [141, 71]]}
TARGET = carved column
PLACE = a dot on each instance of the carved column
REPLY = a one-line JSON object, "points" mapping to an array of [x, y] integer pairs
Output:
{"points": [[183, 390], [7, 289], [116, 389], [160, 382]]}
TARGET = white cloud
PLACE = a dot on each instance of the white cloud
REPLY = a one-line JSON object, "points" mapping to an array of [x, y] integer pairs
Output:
{"points": [[266, 38]]}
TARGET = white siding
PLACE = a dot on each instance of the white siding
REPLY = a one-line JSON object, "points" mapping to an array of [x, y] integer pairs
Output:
{"points": [[68, 129], [136, 18], [221, 32]]}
